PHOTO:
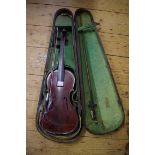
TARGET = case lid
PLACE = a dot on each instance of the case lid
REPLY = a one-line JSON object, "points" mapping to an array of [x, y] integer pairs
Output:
{"points": [[103, 108]]}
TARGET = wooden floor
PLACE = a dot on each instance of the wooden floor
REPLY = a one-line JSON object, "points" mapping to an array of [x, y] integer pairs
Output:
{"points": [[113, 30]]}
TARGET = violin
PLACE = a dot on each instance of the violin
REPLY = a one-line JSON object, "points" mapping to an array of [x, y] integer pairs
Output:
{"points": [[61, 116]]}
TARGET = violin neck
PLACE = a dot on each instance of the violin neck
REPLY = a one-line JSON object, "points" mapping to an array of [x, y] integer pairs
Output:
{"points": [[61, 70]]}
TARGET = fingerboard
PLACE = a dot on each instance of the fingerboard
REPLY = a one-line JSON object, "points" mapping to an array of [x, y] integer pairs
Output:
{"points": [[61, 70]]}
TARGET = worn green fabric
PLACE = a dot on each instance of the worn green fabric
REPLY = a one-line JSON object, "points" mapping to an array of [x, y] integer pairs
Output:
{"points": [[63, 21], [109, 110], [87, 27]]}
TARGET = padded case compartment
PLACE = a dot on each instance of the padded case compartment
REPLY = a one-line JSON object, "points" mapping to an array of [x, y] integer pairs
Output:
{"points": [[63, 19], [97, 84]]}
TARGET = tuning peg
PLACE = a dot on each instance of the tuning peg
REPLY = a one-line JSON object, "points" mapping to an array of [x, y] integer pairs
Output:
{"points": [[58, 46], [58, 38]]}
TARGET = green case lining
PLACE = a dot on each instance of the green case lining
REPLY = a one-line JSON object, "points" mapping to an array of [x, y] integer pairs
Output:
{"points": [[109, 110]]}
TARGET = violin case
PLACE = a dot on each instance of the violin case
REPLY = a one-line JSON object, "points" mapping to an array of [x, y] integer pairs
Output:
{"points": [[95, 96]]}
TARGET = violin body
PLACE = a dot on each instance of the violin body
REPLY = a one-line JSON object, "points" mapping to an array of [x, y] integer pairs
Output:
{"points": [[61, 116]]}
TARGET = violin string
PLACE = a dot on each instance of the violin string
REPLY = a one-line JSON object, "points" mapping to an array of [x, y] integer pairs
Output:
{"points": [[61, 72]]}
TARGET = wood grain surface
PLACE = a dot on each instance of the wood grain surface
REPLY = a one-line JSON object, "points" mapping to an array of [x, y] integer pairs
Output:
{"points": [[113, 30]]}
